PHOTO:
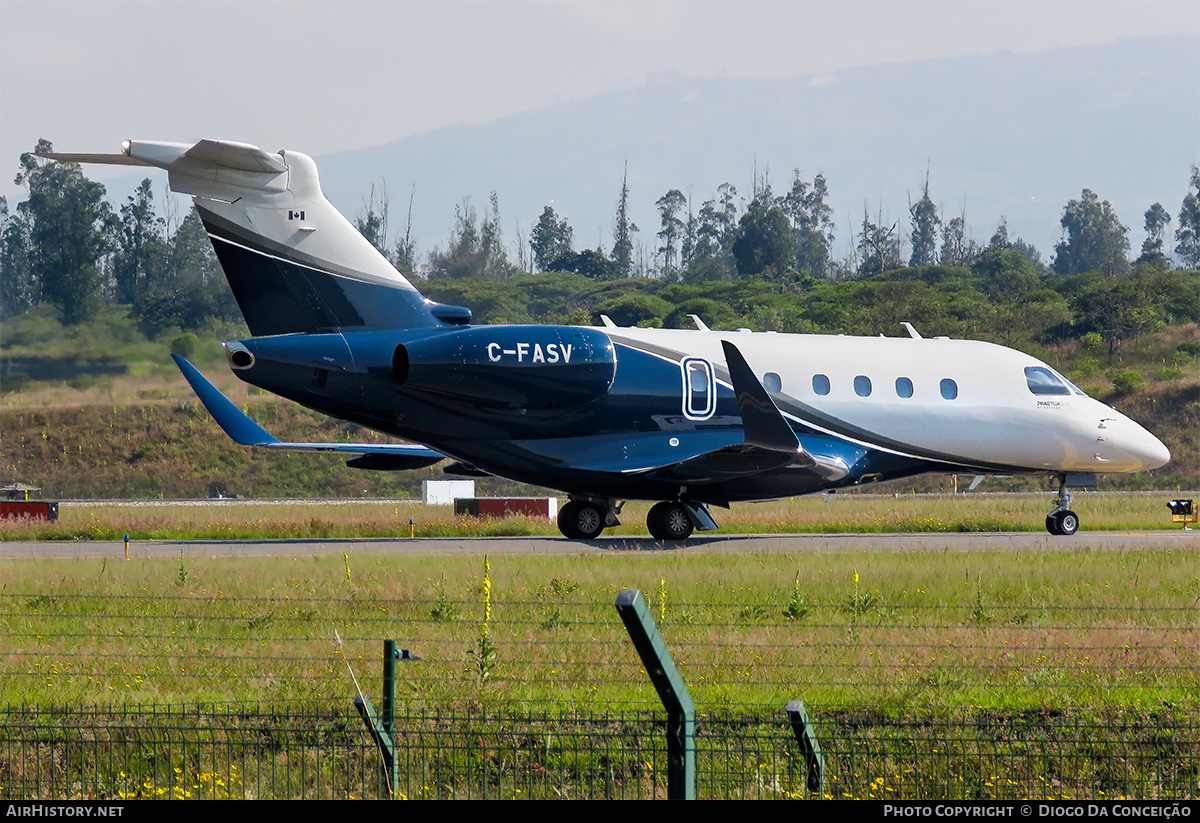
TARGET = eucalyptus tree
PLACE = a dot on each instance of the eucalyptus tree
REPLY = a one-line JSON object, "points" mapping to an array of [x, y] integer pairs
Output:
{"points": [[69, 229], [142, 251], [671, 230], [475, 248], [878, 246], [18, 289], [764, 243], [812, 223], [623, 230], [1156, 221], [1093, 238], [551, 238], [925, 225], [1187, 235], [957, 248]]}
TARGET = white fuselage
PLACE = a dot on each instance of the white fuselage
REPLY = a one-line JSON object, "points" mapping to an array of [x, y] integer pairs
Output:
{"points": [[988, 415]]}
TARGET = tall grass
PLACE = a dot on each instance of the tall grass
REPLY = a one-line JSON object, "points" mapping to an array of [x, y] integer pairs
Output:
{"points": [[1045, 631]]}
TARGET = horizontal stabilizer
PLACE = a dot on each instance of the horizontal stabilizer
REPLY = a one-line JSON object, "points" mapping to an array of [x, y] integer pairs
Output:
{"points": [[203, 158], [220, 169], [244, 431], [103, 159], [233, 155]]}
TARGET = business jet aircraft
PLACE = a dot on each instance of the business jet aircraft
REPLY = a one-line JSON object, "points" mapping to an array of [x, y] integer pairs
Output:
{"points": [[689, 418]]}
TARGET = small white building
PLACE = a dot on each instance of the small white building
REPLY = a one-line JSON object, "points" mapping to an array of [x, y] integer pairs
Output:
{"points": [[443, 492]]}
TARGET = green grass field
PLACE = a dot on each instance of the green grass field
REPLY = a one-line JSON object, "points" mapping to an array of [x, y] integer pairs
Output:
{"points": [[984, 630]]}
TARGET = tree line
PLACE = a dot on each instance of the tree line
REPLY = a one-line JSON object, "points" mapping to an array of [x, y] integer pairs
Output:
{"points": [[67, 246], [786, 239]]}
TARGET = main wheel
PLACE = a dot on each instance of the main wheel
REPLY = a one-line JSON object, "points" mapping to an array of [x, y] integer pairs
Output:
{"points": [[1052, 524], [669, 521], [580, 520]]}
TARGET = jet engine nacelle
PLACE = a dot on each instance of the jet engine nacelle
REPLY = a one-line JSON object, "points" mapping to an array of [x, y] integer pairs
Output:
{"points": [[528, 367]]}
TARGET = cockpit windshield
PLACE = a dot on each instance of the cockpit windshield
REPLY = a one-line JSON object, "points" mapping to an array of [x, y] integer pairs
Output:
{"points": [[1045, 381]]}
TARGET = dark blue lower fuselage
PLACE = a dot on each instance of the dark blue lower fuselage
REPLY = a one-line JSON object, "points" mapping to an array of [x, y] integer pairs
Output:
{"points": [[611, 422]]}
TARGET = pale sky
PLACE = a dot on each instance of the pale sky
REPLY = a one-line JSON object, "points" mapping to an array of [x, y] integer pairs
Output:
{"points": [[322, 77]]}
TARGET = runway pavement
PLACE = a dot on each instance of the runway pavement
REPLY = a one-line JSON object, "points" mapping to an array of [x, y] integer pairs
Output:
{"points": [[708, 544]]}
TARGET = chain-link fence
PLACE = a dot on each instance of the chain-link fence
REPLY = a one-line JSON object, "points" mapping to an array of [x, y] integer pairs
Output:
{"points": [[209, 752]]}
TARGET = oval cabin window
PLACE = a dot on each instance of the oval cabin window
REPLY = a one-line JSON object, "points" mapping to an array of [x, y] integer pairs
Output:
{"points": [[862, 386], [820, 384], [904, 387]]}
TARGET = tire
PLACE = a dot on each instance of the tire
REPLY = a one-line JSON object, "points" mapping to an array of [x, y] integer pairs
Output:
{"points": [[1068, 523], [580, 520], [670, 521], [1052, 524]]}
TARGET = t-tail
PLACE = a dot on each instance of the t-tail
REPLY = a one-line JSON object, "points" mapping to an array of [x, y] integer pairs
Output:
{"points": [[295, 264]]}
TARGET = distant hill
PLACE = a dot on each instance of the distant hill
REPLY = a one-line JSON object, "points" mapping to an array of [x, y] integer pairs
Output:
{"points": [[1001, 134]]}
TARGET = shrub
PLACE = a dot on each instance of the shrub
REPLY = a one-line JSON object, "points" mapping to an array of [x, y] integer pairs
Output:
{"points": [[184, 345], [1092, 342], [1127, 381]]}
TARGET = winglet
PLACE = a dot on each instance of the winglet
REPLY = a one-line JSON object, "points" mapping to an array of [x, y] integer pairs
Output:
{"points": [[229, 417], [762, 422]]}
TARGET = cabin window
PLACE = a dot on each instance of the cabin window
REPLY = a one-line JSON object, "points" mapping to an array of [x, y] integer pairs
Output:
{"points": [[949, 389], [862, 386], [699, 392], [1043, 381], [820, 384], [904, 387], [772, 382]]}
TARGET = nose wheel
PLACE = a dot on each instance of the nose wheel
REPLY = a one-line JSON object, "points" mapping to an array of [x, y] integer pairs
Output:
{"points": [[1064, 522], [1061, 520]]}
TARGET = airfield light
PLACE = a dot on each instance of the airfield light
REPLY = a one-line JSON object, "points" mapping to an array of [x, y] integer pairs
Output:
{"points": [[1183, 511]]}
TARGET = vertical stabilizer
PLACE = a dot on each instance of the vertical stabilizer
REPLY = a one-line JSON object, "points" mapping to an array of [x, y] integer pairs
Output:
{"points": [[295, 264]]}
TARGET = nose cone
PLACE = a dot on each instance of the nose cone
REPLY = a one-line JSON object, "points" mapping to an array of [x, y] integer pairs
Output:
{"points": [[1132, 447], [1149, 450]]}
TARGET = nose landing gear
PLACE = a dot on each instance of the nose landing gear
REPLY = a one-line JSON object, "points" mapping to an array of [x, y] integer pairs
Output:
{"points": [[1061, 520]]}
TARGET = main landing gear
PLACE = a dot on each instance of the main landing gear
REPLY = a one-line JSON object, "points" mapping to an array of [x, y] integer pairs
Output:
{"points": [[668, 521], [585, 519], [1061, 520]]}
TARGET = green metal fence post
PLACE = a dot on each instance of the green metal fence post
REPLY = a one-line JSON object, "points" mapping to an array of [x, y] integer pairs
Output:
{"points": [[389, 684], [672, 691], [381, 728], [809, 747]]}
